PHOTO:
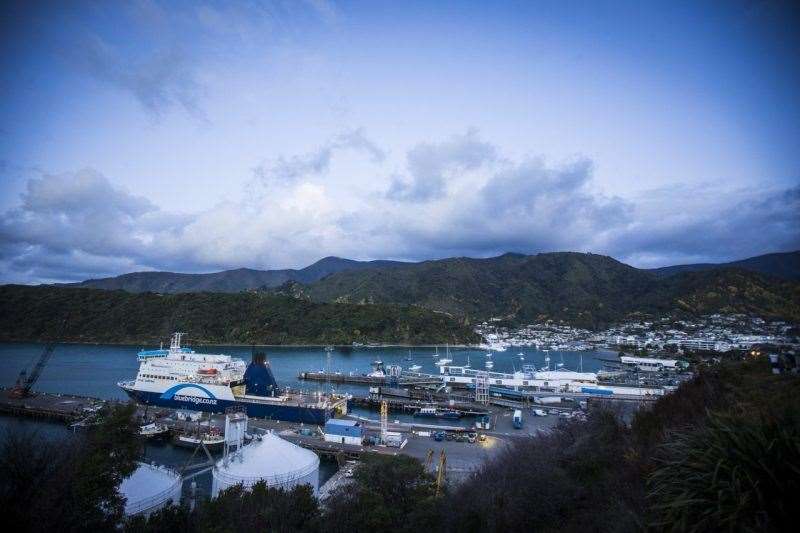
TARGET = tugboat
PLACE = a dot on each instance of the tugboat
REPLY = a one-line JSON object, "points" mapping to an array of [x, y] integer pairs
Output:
{"points": [[154, 432], [436, 412]]}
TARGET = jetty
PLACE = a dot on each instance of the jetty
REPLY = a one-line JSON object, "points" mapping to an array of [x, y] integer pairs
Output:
{"points": [[359, 379], [66, 408]]}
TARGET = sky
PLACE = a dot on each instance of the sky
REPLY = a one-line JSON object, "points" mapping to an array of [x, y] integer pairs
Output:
{"points": [[199, 136]]}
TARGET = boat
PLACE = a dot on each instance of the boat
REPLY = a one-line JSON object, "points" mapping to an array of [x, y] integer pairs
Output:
{"points": [[378, 370], [415, 368], [443, 361], [213, 443], [154, 431], [489, 365], [181, 378], [436, 412]]}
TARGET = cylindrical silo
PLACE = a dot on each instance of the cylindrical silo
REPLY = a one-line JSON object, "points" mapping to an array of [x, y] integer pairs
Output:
{"points": [[150, 488], [279, 463]]}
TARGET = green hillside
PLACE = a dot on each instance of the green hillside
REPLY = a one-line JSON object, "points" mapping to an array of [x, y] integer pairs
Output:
{"points": [[583, 289], [33, 313]]}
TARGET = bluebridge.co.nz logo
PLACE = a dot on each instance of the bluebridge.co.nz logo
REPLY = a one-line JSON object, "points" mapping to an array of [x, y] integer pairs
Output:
{"points": [[172, 394]]}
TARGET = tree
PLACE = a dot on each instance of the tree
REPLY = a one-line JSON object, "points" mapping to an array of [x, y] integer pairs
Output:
{"points": [[388, 493], [71, 485]]}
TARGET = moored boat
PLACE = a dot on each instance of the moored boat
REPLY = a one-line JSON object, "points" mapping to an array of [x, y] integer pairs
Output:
{"points": [[436, 412], [154, 432]]}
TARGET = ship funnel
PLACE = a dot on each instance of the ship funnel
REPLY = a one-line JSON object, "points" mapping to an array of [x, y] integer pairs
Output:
{"points": [[258, 378]]}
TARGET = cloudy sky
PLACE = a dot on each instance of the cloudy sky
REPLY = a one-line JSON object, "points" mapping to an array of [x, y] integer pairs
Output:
{"points": [[197, 136]]}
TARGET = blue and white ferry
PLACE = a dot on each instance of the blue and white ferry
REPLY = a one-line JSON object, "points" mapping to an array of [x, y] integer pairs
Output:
{"points": [[181, 378]]}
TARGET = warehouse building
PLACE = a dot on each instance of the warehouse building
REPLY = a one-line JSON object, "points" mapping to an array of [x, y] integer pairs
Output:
{"points": [[343, 431]]}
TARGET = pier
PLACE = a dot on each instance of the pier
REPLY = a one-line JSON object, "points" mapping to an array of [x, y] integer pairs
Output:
{"points": [[335, 377], [60, 407]]}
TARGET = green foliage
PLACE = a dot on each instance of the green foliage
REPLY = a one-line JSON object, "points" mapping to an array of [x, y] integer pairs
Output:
{"points": [[735, 472], [29, 313], [585, 290], [573, 479], [72, 485], [390, 493]]}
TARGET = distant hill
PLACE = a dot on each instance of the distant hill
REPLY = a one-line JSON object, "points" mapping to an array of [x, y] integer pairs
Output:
{"points": [[237, 280], [582, 289], [783, 265], [587, 290], [34, 313]]}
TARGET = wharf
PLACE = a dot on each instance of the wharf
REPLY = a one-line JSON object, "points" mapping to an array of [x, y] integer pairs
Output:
{"points": [[335, 377], [62, 407]]}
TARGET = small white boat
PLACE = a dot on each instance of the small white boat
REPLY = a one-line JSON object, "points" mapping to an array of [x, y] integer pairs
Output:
{"points": [[489, 365], [443, 362], [212, 442], [154, 431], [415, 368]]}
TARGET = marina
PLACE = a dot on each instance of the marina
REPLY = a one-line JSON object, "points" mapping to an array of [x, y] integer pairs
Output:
{"points": [[399, 411]]}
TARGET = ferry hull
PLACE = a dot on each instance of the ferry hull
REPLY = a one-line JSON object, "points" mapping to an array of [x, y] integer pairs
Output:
{"points": [[288, 413]]}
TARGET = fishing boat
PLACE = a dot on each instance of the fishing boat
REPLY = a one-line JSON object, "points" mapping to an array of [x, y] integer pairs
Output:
{"points": [[213, 443], [436, 412], [154, 432]]}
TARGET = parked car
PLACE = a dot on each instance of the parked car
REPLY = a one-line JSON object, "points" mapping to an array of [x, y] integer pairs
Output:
{"points": [[438, 436], [471, 437]]}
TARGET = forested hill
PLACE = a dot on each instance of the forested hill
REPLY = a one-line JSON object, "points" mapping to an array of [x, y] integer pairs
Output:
{"points": [[587, 290], [35, 313], [237, 280], [781, 265]]}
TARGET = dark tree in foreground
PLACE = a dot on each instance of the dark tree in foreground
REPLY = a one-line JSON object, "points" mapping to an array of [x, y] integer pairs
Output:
{"points": [[261, 508], [388, 493], [69, 485]]}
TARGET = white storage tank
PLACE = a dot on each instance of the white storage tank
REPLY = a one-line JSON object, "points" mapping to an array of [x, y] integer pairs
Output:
{"points": [[278, 462], [150, 488]]}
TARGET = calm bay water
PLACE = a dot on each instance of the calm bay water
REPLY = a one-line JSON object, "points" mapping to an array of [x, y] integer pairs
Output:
{"points": [[94, 370]]}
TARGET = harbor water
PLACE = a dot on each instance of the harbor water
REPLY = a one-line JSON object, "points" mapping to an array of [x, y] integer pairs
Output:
{"points": [[95, 369]]}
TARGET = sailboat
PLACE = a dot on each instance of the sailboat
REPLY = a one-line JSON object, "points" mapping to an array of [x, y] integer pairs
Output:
{"points": [[446, 360]]}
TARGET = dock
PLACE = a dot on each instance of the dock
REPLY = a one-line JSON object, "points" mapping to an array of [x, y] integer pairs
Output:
{"points": [[66, 408], [335, 377]]}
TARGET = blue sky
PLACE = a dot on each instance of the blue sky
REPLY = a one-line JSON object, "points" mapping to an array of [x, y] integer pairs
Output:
{"points": [[197, 136]]}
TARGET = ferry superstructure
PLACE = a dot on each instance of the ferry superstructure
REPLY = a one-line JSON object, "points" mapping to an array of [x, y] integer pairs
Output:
{"points": [[181, 378]]}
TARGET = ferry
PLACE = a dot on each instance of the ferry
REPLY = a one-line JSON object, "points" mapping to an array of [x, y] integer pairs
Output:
{"points": [[181, 378]]}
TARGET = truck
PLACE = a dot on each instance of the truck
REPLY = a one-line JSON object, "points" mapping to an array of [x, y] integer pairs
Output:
{"points": [[517, 419]]}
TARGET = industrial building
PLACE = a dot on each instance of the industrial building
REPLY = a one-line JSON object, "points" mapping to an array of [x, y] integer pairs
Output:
{"points": [[343, 431]]}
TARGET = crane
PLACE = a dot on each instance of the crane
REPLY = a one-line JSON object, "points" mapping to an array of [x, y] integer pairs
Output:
{"points": [[440, 472], [22, 388]]}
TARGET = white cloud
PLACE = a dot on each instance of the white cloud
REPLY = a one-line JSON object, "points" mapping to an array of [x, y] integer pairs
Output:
{"points": [[461, 197]]}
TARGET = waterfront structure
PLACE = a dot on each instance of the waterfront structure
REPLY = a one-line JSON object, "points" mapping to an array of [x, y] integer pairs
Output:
{"points": [[150, 488], [650, 364], [529, 380], [343, 431], [269, 458], [184, 379]]}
